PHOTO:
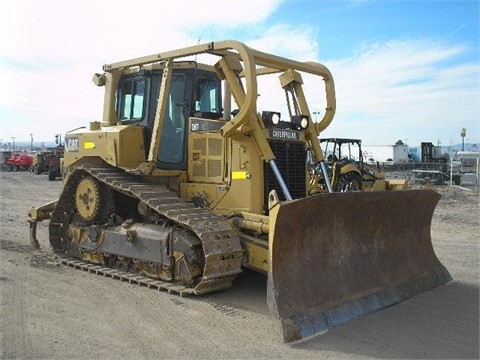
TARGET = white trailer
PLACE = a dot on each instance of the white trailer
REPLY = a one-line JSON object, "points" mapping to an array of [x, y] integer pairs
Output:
{"points": [[393, 154]]}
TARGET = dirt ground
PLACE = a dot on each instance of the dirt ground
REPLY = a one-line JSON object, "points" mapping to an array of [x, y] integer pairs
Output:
{"points": [[56, 312]]}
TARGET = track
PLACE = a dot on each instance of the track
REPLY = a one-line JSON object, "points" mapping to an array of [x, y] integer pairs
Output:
{"points": [[220, 242], [126, 276]]}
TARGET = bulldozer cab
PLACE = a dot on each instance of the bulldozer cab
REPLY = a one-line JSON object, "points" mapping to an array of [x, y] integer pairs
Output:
{"points": [[193, 91]]}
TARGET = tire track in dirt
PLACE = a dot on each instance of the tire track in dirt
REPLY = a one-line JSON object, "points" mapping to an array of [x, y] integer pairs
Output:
{"points": [[16, 342]]}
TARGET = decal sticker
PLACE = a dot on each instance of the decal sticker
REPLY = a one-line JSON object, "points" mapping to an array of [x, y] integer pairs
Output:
{"points": [[240, 175], [284, 134], [89, 145], [71, 144]]}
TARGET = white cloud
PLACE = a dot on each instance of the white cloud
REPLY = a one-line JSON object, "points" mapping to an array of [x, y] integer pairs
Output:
{"points": [[295, 41], [406, 89], [50, 50], [115, 29], [385, 92]]}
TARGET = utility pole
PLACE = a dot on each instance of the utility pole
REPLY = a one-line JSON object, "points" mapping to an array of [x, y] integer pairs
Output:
{"points": [[31, 143], [13, 146], [463, 134]]}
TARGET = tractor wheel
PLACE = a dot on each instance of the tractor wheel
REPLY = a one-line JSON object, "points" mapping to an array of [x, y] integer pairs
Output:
{"points": [[349, 182]]}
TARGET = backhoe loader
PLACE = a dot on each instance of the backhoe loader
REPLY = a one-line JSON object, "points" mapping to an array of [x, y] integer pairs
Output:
{"points": [[176, 191], [347, 170]]}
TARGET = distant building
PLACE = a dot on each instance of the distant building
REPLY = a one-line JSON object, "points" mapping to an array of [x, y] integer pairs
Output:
{"points": [[392, 154]]}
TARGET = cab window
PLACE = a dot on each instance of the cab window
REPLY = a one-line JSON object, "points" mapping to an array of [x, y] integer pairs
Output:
{"points": [[131, 99], [173, 132], [207, 95]]}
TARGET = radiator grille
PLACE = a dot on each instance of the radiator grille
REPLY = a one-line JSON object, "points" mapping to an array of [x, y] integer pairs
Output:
{"points": [[291, 162]]}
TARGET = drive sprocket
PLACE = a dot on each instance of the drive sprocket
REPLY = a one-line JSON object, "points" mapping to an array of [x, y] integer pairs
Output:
{"points": [[93, 200], [87, 198]]}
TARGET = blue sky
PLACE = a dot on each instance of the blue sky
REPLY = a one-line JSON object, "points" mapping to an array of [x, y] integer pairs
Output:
{"points": [[404, 70]]}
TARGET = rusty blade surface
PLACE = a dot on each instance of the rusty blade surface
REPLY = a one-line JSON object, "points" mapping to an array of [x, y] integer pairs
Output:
{"points": [[336, 257]]}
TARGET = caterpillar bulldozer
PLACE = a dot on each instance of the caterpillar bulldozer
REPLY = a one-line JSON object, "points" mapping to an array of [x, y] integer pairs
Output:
{"points": [[347, 170], [174, 190]]}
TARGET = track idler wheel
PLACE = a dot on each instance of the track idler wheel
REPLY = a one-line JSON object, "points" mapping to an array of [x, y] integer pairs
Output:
{"points": [[93, 200]]}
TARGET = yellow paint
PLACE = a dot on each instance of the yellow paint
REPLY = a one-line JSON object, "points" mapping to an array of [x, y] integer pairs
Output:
{"points": [[89, 145], [256, 256], [239, 175]]}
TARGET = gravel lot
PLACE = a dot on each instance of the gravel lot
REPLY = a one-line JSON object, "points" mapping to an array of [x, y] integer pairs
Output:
{"points": [[56, 312]]}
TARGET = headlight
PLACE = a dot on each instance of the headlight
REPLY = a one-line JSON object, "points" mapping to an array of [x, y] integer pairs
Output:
{"points": [[275, 118], [304, 123], [300, 122], [270, 118]]}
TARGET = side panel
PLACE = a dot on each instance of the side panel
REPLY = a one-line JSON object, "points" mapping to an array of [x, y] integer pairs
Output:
{"points": [[206, 152], [121, 146], [224, 175]]}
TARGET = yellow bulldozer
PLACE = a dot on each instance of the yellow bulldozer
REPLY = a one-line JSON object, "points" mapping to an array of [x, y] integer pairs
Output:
{"points": [[175, 190]]}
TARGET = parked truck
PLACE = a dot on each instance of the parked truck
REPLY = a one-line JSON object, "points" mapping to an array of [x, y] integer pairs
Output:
{"points": [[49, 161], [19, 162]]}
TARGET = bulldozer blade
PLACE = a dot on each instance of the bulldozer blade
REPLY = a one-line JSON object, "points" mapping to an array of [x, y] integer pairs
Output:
{"points": [[337, 257]]}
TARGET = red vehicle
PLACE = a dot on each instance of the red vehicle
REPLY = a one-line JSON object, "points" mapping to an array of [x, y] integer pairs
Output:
{"points": [[18, 162]]}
